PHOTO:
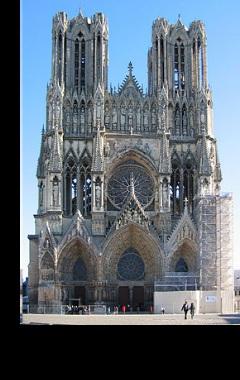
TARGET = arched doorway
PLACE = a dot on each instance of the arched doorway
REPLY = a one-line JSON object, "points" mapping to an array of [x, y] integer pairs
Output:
{"points": [[76, 268], [132, 259], [131, 269]]}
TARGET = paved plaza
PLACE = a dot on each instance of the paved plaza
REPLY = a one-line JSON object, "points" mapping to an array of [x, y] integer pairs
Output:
{"points": [[130, 319]]}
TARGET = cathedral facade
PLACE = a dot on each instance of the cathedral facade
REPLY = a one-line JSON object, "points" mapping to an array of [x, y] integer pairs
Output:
{"points": [[128, 181]]}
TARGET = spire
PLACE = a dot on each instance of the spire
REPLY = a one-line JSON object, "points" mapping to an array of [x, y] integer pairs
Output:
{"points": [[80, 13], [98, 157], [130, 68], [165, 162], [218, 173], [205, 167], [41, 159], [55, 162], [130, 78]]}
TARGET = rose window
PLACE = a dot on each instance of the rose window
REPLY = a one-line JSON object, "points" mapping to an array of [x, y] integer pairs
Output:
{"points": [[119, 185], [130, 266]]}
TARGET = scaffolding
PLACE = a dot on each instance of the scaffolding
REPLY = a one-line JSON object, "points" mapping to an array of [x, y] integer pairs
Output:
{"points": [[206, 220], [176, 281], [215, 217], [225, 242]]}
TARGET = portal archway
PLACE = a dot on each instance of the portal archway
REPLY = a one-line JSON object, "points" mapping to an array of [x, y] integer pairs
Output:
{"points": [[132, 260], [184, 259], [76, 267]]}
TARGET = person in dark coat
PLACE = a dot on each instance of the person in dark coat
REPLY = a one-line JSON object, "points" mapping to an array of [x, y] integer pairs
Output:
{"points": [[185, 309], [192, 309]]}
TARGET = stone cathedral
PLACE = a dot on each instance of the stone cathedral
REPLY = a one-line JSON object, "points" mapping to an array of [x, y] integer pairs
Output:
{"points": [[128, 181]]}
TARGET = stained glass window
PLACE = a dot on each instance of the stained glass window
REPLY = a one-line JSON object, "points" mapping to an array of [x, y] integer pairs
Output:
{"points": [[130, 266], [119, 185]]}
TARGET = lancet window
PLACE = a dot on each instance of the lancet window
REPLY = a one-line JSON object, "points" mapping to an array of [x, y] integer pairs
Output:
{"points": [[182, 186]]}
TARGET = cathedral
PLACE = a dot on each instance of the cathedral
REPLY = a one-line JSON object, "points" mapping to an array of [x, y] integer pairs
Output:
{"points": [[128, 181]]}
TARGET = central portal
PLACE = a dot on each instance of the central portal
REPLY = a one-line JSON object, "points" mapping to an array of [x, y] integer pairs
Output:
{"points": [[80, 293], [138, 298], [131, 297], [123, 296]]}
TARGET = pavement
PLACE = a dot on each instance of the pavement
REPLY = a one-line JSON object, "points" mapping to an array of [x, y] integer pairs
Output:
{"points": [[130, 319]]}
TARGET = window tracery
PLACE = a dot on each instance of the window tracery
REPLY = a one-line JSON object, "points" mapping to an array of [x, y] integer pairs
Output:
{"points": [[119, 185], [130, 266]]}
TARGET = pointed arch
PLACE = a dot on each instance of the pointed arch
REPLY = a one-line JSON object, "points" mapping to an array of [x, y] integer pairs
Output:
{"points": [[76, 262], [184, 129], [70, 183], [138, 238], [75, 117], [47, 267], [85, 185], [184, 258], [82, 117], [177, 121]]}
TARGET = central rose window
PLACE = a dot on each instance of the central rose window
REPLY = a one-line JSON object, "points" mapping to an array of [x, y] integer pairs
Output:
{"points": [[119, 185], [130, 266]]}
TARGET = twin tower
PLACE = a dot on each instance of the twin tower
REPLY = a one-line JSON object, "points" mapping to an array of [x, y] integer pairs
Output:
{"points": [[129, 182]]}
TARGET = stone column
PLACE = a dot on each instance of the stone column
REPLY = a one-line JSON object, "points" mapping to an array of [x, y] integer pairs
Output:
{"points": [[165, 59], [102, 199], [70, 195], [204, 66], [93, 193], [78, 188], [158, 62], [131, 296]]}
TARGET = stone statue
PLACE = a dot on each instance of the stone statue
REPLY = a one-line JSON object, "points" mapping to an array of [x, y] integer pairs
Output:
{"points": [[89, 116], [114, 116], [82, 119], [184, 123], [106, 116], [55, 193], [50, 115], [177, 123], [98, 109], [57, 111], [138, 119], [98, 196], [123, 116], [41, 194], [165, 195], [75, 115], [154, 118], [145, 119], [107, 149]]}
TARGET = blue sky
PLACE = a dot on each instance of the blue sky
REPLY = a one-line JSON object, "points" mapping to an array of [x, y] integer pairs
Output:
{"points": [[130, 23]]}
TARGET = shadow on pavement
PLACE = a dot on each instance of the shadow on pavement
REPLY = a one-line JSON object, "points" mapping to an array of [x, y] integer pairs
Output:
{"points": [[233, 319]]}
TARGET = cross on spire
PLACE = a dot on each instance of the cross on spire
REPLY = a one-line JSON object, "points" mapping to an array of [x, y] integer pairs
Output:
{"points": [[130, 68]]}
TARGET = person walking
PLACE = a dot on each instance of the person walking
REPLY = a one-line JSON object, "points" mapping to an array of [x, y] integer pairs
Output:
{"points": [[185, 309], [163, 309], [192, 310]]}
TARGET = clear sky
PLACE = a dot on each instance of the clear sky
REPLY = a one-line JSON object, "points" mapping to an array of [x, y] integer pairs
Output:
{"points": [[130, 23]]}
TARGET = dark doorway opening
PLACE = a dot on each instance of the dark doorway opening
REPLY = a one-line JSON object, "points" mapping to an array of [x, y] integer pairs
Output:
{"points": [[138, 298], [80, 292], [123, 296]]}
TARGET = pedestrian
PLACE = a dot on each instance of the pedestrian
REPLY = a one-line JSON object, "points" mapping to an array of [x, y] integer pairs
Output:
{"points": [[185, 309], [163, 309], [109, 310], [123, 308], [192, 310]]}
